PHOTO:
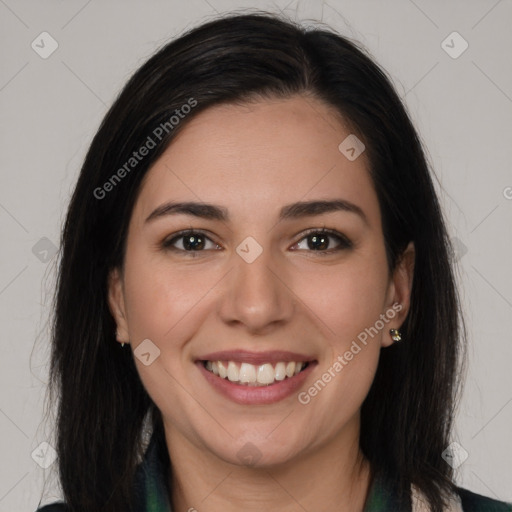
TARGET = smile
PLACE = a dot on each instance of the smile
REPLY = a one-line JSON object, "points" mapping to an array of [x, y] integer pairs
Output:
{"points": [[255, 375], [255, 378]]}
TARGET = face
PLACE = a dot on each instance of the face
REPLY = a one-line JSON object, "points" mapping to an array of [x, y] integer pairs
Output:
{"points": [[282, 277]]}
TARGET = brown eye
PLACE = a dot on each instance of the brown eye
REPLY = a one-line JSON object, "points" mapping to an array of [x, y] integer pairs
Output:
{"points": [[321, 241], [190, 241]]}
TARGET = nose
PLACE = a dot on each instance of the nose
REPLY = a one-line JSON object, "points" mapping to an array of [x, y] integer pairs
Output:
{"points": [[256, 295]]}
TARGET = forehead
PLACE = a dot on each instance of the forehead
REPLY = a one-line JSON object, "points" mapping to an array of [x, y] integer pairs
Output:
{"points": [[256, 157]]}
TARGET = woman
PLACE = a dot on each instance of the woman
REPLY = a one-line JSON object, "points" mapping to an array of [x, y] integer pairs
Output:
{"points": [[256, 308]]}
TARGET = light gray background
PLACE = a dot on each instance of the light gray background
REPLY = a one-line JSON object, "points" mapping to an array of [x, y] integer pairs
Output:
{"points": [[50, 109]]}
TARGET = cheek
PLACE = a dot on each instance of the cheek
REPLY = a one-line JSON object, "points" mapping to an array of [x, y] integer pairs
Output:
{"points": [[351, 300], [350, 303], [161, 298], [346, 299]]}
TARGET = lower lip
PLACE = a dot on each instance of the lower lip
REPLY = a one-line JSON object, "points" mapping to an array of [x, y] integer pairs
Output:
{"points": [[253, 395]]}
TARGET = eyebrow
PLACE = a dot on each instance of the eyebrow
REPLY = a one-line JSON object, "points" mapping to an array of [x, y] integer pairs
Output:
{"points": [[291, 211]]}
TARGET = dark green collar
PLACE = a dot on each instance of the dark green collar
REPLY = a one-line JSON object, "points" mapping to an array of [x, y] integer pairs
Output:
{"points": [[383, 497]]}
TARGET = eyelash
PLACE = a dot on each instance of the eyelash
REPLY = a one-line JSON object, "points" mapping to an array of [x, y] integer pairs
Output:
{"points": [[343, 241]]}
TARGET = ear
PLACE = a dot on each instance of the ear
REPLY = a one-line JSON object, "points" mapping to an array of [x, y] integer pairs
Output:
{"points": [[116, 305], [399, 292]]}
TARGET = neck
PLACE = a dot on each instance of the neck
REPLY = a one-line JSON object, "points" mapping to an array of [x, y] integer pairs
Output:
{"points": [[332, 477]]}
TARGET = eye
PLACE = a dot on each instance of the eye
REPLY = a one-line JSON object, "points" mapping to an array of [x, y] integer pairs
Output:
{"points": [[189, 241], [319, 240]]}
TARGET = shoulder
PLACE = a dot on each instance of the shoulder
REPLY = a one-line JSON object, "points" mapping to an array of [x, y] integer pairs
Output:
{"points": [[54, 507], [151, 472], [472, 502]]}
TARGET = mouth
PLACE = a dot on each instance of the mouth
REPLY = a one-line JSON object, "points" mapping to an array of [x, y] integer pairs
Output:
{"points": [[247, 374], [256, 378]]}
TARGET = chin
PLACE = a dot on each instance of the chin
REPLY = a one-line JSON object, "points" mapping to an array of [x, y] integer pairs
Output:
{"points": [[256, 453]]}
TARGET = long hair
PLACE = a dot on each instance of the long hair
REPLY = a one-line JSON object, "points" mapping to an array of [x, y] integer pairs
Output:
{"points": [[102, 405]]}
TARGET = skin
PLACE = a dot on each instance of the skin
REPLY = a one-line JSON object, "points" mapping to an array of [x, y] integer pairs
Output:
{"points": [[254, 159]]}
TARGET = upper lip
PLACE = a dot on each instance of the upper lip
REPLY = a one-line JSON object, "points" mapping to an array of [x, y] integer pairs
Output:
{"points": [[245, 356]]}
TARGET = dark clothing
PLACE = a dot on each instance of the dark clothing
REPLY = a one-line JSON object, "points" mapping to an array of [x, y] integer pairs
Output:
{"points": [[151, 491]]}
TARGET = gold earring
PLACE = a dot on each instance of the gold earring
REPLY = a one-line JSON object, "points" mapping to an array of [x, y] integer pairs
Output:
{"points": [[396, 335]]}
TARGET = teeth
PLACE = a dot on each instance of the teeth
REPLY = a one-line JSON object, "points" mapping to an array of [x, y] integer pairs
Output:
{"points": [[252, 375], [247, 373], [266, 374], [223, 371], [280, 371], [232, 372]]}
